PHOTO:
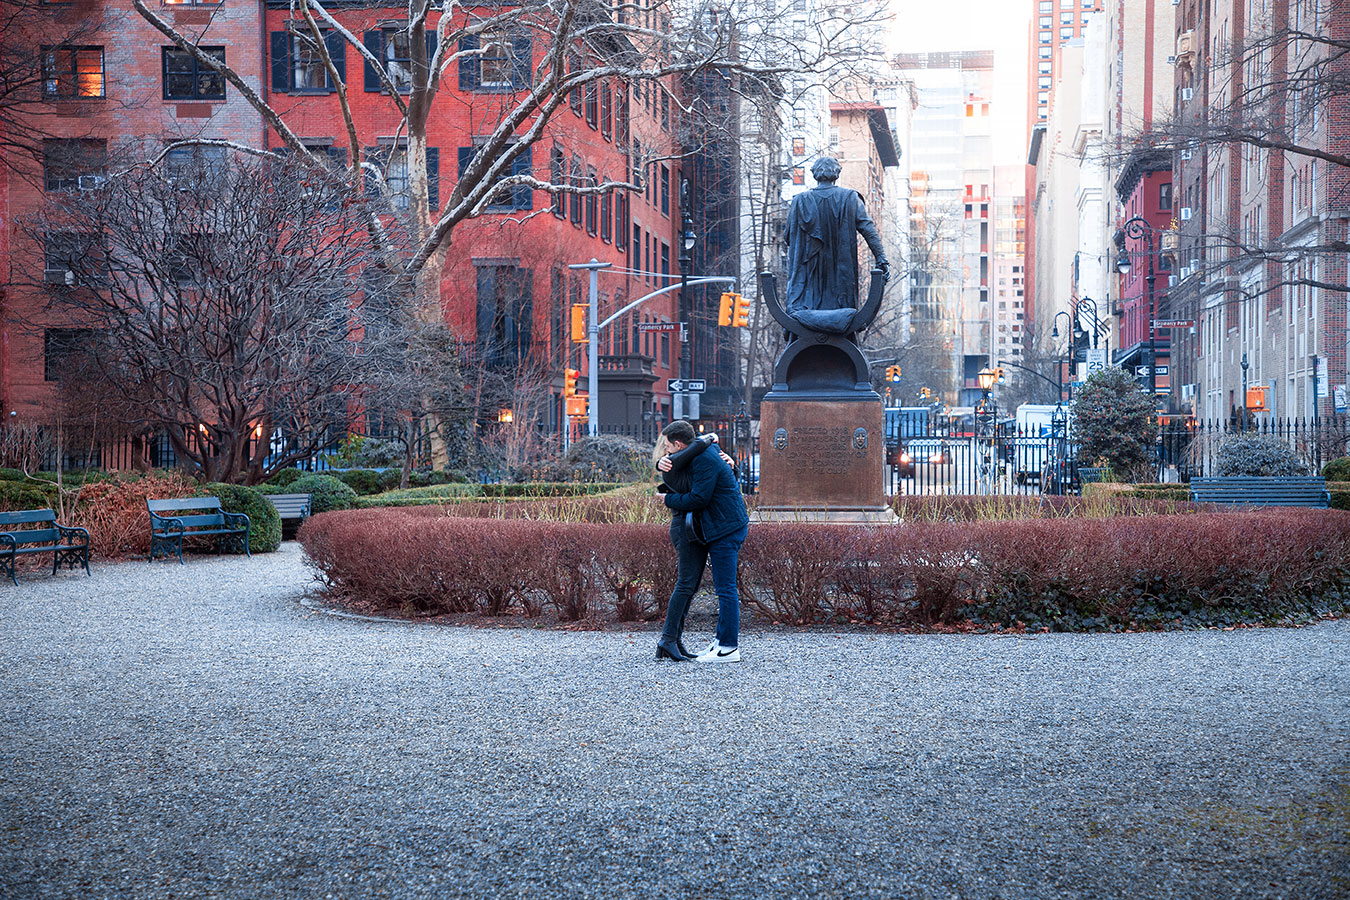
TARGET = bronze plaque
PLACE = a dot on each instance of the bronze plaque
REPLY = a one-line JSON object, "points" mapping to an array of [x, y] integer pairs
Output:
{"points": [[822, 454]]}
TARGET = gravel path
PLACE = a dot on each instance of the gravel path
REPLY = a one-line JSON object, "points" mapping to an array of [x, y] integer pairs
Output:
{"points": [[193, 731]]}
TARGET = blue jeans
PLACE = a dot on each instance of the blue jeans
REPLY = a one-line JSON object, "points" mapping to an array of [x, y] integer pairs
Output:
{"points": [[693, 559]]}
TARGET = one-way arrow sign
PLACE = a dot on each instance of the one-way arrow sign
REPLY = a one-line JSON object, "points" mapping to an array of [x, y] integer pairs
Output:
{"points": [[690, 386]]}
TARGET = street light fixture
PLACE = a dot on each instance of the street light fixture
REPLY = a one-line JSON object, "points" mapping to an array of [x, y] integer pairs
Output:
{"points": [[1060, 364], [1138, 227]]}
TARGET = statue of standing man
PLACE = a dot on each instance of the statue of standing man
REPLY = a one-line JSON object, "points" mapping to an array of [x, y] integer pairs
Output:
{"points": [[822, 228]]}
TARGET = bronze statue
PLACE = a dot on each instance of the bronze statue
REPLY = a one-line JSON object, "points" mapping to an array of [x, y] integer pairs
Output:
{"points": [[822, 225]]}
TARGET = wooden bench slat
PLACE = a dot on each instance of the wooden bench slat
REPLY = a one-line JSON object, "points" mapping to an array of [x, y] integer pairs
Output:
{"points": [[183, 503], [23, 516]]}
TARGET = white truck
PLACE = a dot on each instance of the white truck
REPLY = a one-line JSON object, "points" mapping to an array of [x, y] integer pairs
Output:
{"points": [[1034, 445]]}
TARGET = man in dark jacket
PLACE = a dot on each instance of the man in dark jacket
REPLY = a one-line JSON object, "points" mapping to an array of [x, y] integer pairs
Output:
{"points": [[713, 535]]}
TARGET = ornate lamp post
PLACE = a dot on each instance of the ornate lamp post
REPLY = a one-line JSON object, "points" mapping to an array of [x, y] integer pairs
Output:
{"points": [[686, 261], [1059, 365], [987, 419], [1136, 228]]}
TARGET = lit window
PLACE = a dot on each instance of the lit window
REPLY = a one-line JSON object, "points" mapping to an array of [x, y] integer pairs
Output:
{"points": [[799, 145], [798, 175], [72, 72]]}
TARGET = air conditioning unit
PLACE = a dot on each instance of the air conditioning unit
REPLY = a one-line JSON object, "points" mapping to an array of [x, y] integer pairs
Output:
{"points": [[1187, 94], [1185, 214], [91, 182], [1195, 264], [59, 276], [1186, 154], [1185, 273], [1171, 60]]}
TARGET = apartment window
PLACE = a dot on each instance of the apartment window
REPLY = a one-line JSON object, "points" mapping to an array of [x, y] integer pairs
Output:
{"points": [[1043, 97], [1165, 195], [1066, 4], [1066, 34], [606, 111], [799, 143], [1043, 81], [798, 117], [578, 178], [574, 96], [665, 190], [1046, 6], [505, 315], [1066, 18], [297, 64], [72, 72], [592, 104], [1045, 21], [66, 351], [493, 61], [1044, 52], [591, 202], [520, 196], [1045, 68], [62, 253], [798, 175], [665, 112], [665, 262], [1045, 37], [195, 166], [70, 164], [621, 219], [557, 173], [187, 79], [607, 216]]}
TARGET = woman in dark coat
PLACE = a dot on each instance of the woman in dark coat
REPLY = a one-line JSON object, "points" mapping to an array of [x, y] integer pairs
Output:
{"points": [[708, 527]]}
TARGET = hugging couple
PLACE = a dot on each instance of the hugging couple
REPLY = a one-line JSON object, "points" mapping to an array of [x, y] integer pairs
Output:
{"points": [[708, 525]]}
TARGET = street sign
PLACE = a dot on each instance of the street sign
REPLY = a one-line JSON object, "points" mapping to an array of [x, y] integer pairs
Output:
{"points": [[686, 386], [1143, 370], [644, 327], [1096, 360], [686, 406], [1173, 323]]}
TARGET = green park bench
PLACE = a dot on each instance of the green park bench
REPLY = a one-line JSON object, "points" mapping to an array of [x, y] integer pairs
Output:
{"points": [[1261, 490], [194, 517], [293, 508], [67, 545]]}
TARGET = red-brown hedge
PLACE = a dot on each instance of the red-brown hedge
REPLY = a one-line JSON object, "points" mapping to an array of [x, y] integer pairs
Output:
{"points": [[1060, 573]]}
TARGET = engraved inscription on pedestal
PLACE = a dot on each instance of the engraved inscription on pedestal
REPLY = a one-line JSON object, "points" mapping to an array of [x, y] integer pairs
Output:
{"points": [[822, 455]]}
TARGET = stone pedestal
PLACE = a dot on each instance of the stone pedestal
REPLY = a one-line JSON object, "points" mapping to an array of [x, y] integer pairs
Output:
{"points": [[820, 460]]}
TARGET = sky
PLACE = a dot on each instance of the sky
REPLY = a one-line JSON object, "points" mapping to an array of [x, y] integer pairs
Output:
{"points": [[998, 25]]}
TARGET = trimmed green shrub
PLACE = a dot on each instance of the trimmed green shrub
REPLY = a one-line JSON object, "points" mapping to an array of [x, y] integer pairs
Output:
{"points": [[1257, 454], [1339, 500], [285, 477], [1337, 470], [12, 475], [363, 481], [15, 495], [326, 492], [264, 534]]}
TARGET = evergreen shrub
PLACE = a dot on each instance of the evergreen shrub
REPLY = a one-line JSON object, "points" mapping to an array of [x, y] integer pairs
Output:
{"points": [[263, 519]]}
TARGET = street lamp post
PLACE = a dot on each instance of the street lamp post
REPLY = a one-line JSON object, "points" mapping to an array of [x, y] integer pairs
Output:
{"points": [[1138, 227], [1059, 365], [1244, 391], [1079, 309], [686, 261], [987, 422]]}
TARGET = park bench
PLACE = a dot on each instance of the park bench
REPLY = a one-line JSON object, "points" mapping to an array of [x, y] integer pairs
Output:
{"points": [[291, 507], [194, 517], [67, 545], [1260, 490]]}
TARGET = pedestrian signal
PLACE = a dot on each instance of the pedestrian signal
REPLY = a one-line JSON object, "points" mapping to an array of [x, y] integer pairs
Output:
{"points": [[576, 407]]}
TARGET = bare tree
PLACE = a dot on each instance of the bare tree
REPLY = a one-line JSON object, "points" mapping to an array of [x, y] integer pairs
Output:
{"points": [[215, 305]]}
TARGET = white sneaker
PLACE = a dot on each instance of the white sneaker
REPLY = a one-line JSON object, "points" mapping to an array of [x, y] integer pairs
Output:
{"points": [[718, 653]]}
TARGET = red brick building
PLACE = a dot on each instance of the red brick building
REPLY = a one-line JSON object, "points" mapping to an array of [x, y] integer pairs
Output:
{"points": [[506, 284], [107, 80]]}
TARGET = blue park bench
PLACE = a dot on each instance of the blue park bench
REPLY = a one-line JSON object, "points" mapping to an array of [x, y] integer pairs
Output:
{"points": [[68, 546], [1261, 490], [194, 517]]}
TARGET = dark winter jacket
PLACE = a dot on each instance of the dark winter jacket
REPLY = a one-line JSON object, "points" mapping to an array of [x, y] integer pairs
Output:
{"points": [[705, 485]]}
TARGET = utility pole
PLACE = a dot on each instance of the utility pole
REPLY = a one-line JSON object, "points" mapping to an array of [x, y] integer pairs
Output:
{"points": [[686, 302]]}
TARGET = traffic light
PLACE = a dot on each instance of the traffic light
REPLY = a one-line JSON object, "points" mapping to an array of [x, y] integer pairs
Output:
{"points": [[893, 374], [725, 308], [570, 382], [998, 375], [578, 323], [742, 317], [925, 393]]}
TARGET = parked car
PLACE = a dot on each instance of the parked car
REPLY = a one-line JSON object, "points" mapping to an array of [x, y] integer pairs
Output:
{"points": [[899, 458]]}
